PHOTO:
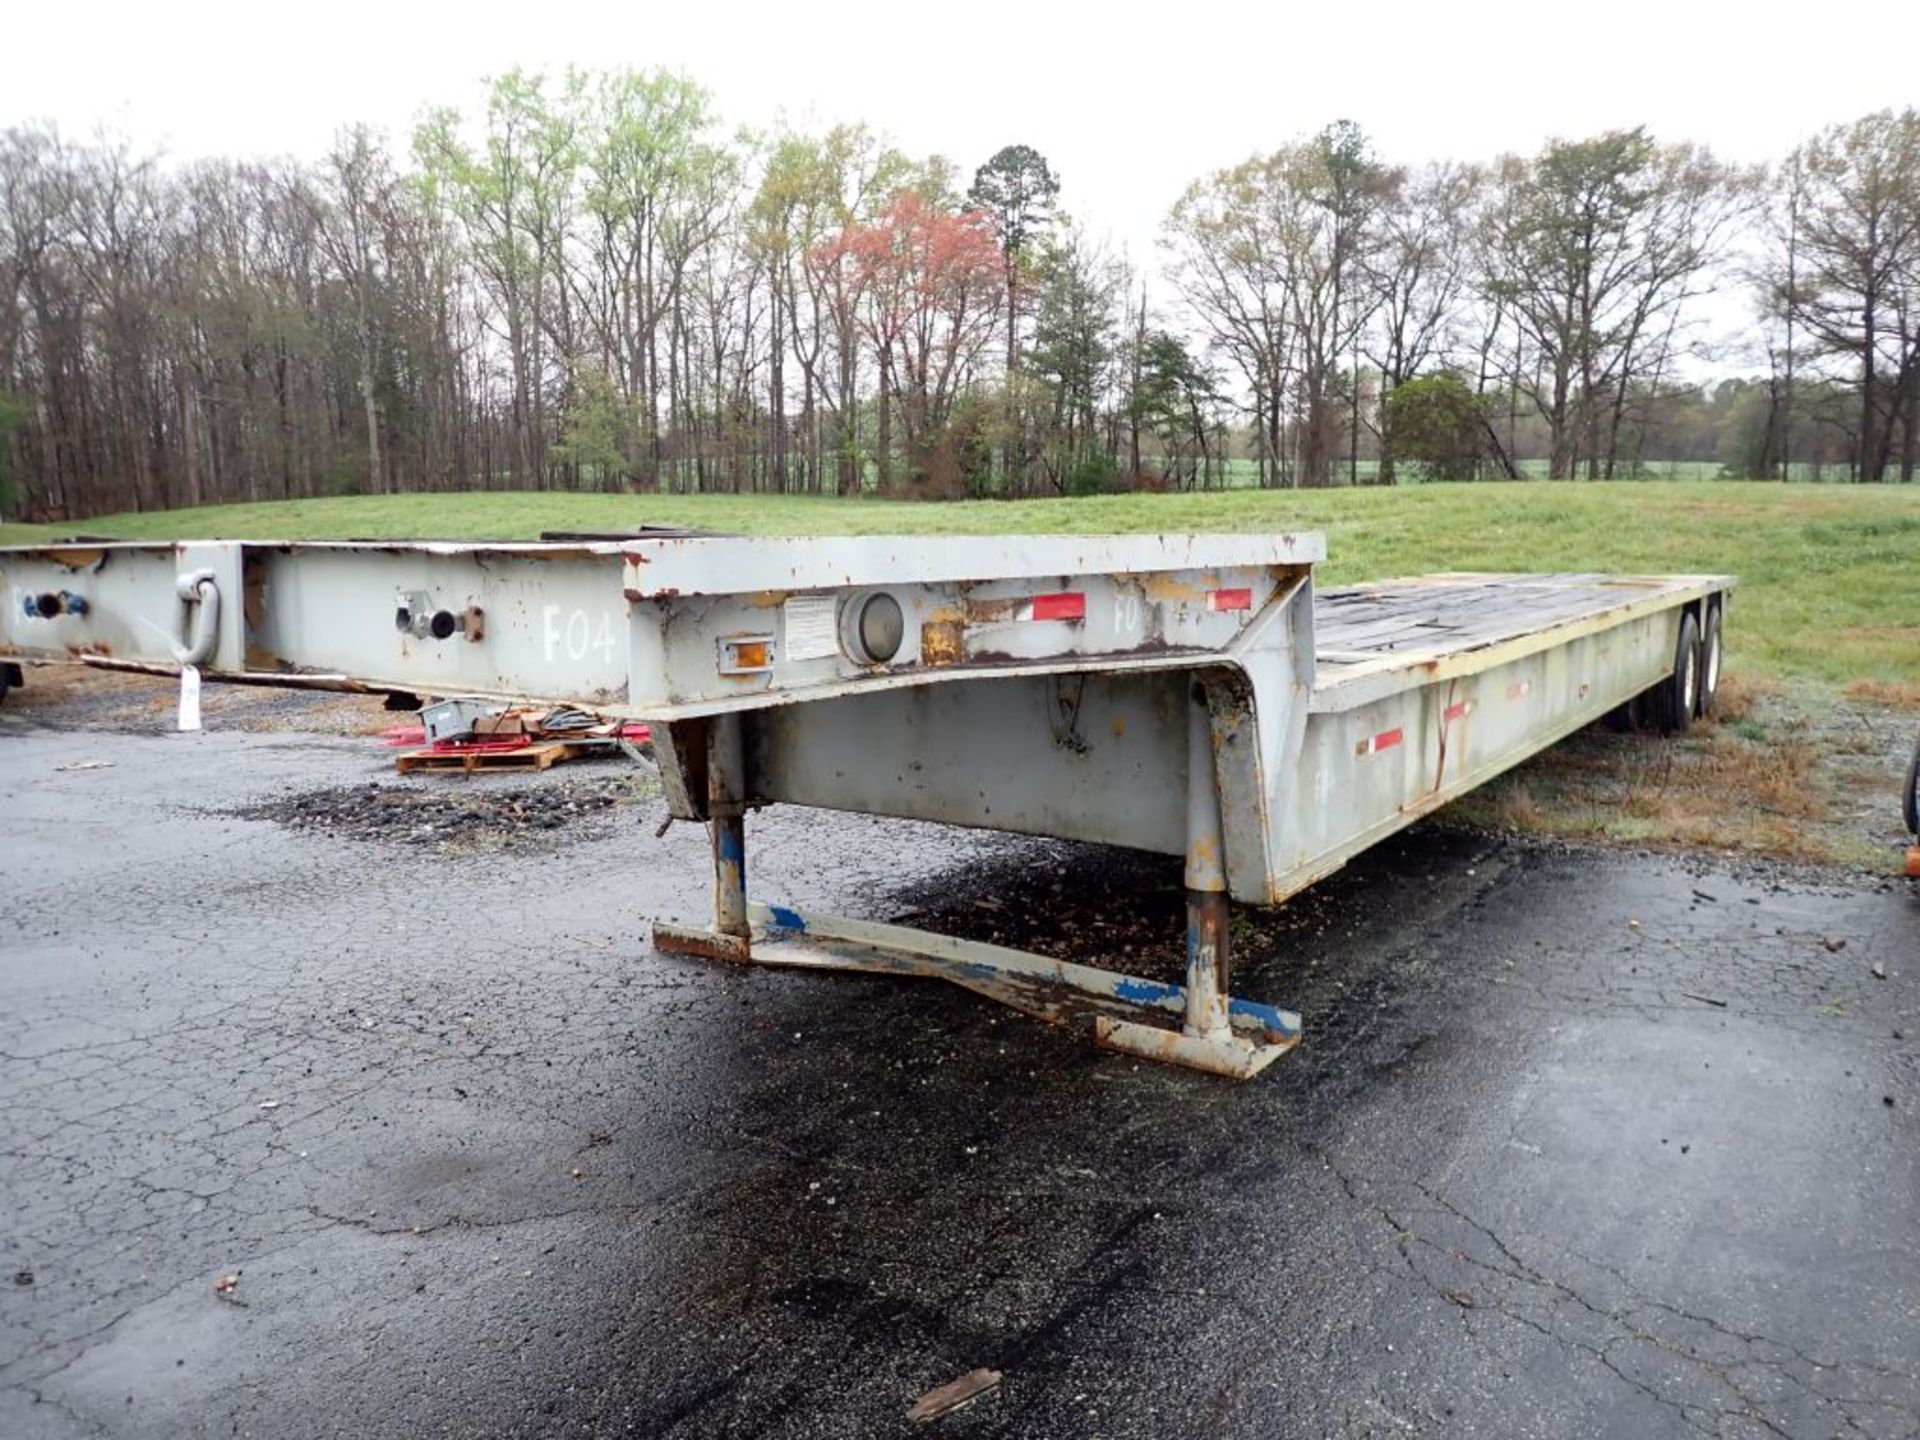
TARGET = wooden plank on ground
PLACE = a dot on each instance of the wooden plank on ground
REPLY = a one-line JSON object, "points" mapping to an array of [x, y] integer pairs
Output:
{"points": [[525, 757]]}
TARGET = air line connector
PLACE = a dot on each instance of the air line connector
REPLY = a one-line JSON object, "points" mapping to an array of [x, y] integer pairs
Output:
{"points": [[50, 604], [415, 614]]}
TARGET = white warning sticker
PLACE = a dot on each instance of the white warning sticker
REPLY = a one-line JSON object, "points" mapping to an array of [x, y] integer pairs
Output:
{"points": [[811, 631]]}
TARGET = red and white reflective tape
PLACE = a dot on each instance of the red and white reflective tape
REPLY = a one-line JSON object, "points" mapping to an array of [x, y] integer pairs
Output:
{"points": [[1456, 710], [1071, 605], [1385, 740], [1066, 605], [1518, 689]]}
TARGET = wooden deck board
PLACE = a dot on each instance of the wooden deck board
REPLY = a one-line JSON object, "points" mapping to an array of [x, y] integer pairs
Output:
{"points": [[1365, 631]]}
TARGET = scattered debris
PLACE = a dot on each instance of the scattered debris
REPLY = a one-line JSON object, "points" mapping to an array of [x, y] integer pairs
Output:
{"points": [[224, 1286], [1633, 924], [1699, 894], [86, 765], [23, 1277], [269, 1105], [951, 1396], [471, 734], [1460, 1298], [1835, 943], [1879, 970], [1705, 999], [466, 818]]}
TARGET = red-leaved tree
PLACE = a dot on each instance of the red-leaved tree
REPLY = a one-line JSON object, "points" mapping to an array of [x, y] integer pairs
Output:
{"points": [[926, 282]]}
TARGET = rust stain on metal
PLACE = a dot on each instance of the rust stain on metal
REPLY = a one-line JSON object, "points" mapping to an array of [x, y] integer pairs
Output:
{"points": [[987, 612], [1170, 587], [1152, 645], [77, 559], [942, 640], [1168, 1046], [701, 944], [253, 597]]}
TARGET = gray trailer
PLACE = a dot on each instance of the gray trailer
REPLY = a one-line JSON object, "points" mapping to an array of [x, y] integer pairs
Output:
{"points": [[1186, 694]]}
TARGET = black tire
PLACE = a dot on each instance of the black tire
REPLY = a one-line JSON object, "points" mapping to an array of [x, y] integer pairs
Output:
{"points": [[1910, 797], [1709, 682], [1675, 698]]}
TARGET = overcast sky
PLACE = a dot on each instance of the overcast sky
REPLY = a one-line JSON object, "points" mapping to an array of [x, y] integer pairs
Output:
{"points": [[1128, 101]]}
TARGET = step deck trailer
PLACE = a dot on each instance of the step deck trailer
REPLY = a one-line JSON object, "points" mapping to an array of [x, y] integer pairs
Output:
{"points": [[1186, 694]]}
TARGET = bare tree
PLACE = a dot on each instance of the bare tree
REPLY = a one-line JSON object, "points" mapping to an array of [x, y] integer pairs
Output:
{"points": [[1422, 271], [1850, 279]]}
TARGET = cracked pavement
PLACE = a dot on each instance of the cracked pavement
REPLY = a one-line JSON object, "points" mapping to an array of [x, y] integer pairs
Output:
{"points": [[1578, 1143]]}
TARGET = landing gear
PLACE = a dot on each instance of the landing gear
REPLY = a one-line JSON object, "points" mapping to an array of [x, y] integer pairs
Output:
{"points": [[1206, 1038], [1215, 1032]]}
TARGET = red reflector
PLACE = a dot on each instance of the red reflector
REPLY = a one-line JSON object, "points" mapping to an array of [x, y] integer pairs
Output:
{"points": [[1069, 605], [1373, 745], [1457, 709], [1230, 599]]}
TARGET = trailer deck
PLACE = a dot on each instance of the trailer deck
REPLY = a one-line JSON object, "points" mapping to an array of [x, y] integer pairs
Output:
{"points": [[1364, 633], [1187, 694]]}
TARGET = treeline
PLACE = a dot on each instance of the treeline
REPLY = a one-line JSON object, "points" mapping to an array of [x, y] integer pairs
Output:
{"points": [[593, 284]]}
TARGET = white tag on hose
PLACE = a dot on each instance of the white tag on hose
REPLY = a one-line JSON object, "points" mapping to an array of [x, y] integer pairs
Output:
{"points": [[189, 697]]}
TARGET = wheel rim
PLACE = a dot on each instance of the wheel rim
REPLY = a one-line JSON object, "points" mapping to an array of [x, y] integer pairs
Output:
{"points": [[1689, 681], [1713, 660]]}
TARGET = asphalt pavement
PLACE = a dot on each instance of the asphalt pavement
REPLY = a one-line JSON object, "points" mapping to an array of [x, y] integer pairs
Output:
{"points": [[309, 1130]]}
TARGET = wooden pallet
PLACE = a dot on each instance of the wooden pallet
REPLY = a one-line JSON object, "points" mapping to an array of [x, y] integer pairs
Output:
{"points": [[528, 757]]}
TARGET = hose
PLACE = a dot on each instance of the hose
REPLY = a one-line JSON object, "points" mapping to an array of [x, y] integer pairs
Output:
{"points": [[202, 596]]}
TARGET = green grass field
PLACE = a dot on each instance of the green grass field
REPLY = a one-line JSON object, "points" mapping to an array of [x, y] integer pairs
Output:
{"points": [[1830, 575]]}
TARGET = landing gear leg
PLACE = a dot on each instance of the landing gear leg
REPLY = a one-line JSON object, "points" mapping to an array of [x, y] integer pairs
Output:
{"points": [[1206, 1038], [730, 937]]}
